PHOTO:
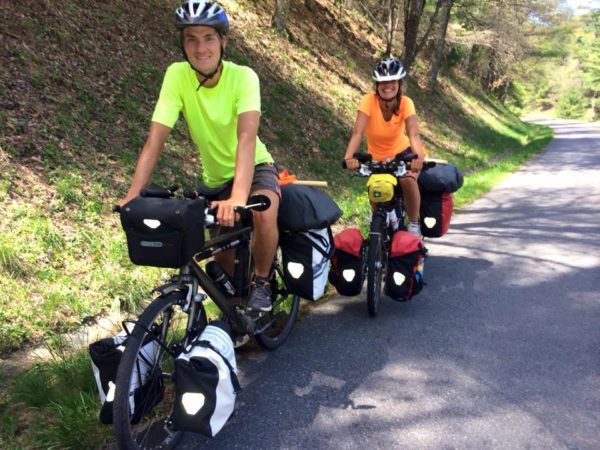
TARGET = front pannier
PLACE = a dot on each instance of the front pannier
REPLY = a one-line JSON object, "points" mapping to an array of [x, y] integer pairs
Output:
{"points": [[404, 277], [347, 272], [163, 232], [146, 389], [435, 213], [206, 382], [306, 259]]}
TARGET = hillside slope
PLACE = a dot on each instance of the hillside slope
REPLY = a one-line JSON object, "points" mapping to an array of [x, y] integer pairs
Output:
{"points": [[78, 83]]}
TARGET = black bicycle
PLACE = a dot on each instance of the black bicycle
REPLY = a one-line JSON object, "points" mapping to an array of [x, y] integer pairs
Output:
{"points": [[388, 215], [177, 316]]}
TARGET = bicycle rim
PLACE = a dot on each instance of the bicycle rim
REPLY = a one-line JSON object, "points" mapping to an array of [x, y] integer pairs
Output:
{"points": [[375, 266], [277, 324], [164, 323]]}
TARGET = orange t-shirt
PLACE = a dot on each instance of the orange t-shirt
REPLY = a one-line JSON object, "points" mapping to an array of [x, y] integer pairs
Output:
{"points": [[385, 139]]}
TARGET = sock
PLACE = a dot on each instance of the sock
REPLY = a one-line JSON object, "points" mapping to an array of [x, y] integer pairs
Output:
{"points": [[261, 280]]}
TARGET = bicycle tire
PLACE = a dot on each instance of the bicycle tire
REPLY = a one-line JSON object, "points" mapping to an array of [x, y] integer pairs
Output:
{"points": [[162, 322], [280, 320], [375, 265]]}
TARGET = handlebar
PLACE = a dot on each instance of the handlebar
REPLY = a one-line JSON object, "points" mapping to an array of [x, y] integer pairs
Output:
{"points": [[255, 202], [397, 166]]}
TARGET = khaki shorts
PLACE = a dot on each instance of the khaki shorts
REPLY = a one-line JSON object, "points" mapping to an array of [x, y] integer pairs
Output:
{"points": [[266, 178]]}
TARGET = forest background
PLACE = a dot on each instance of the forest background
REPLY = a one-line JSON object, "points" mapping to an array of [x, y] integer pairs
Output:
{"points": [[78, 82]]}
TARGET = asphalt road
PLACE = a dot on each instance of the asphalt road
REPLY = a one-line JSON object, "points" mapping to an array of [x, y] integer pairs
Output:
{"points": [[500, 350]]}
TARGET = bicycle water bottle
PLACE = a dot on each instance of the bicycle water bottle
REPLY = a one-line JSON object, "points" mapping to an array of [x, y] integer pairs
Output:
{"points": [[216, 272]]}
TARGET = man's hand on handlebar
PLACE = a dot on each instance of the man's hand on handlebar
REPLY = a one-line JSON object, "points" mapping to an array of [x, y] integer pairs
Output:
{"points": [[226, 215]]}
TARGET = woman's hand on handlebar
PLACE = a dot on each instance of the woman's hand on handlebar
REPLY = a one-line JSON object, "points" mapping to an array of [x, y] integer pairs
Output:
{"points": [[416, 165], [351, 164]]}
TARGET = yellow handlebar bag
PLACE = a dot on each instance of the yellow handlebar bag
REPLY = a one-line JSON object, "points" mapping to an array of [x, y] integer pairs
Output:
{"points": [[381, 187]]}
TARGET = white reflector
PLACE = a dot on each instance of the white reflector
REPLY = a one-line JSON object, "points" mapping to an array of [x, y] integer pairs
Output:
{"points": [[110, 396], [399, 278], [295, 269], [429, 222], [192, 402], [348, 274], [152, 223]]}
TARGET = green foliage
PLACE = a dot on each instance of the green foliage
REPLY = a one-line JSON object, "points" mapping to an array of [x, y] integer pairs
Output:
{"points": [[572, 105]]}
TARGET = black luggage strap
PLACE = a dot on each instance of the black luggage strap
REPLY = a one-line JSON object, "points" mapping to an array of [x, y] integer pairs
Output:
{"points": [[234, 379]]}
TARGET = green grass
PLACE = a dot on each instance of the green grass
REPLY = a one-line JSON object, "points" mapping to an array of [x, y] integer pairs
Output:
{"points": [[60, 406]]}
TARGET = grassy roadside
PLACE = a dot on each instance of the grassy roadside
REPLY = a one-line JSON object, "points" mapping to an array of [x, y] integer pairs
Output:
{"points": [[68, 406]]}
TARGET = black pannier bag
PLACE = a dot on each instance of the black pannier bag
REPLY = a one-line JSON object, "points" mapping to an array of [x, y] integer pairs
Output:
{"points": [[347, 273], [206, 383], [147, 388], [163, 232], [306, 259], [305, 208], [435, 213], [441, 178], [404, 277]]}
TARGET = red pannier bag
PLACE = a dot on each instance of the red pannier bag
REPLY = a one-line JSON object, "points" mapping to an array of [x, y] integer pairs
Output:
{"points": [[435, 213], [404, 277], [347, 273]]}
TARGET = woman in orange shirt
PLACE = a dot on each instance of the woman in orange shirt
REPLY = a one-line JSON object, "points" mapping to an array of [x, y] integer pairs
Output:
{"points": [[388, 120]]}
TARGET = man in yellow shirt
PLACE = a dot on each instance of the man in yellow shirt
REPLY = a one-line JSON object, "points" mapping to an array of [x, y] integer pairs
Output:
{"points": [[220, 102], [388, 120]]}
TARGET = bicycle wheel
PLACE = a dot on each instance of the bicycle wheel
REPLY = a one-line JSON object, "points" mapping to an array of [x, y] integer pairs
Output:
{"points": [[375, 265], [277, 324], [163, 324]]}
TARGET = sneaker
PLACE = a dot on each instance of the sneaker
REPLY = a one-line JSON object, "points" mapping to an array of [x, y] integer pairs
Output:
{"points": [[415, 229], [260, 298]]}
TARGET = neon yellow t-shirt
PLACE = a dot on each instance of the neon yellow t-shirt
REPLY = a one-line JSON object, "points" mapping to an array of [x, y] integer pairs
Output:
{"points": [[211, 114], [386, 139]]}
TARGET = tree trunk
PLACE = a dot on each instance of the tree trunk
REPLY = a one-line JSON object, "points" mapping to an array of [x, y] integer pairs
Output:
{"points": [[436, 61], [279, 19], [391, 27], [413, 10]]}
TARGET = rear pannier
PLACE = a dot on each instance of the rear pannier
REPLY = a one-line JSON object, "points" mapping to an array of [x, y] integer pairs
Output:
{"points": [[435, 213], [146, 388], [163, 232], [206, 382], [347, 272], [306, 259], [404, 277]]}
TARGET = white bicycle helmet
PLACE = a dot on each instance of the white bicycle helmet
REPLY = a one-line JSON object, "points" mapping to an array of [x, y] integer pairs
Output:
{"points": [[201, 12], [388, 70]]}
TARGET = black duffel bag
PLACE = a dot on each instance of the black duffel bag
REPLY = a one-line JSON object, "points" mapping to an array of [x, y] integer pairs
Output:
{"points": [[163, 232], [441, 178], [305, 208]]}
